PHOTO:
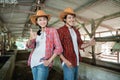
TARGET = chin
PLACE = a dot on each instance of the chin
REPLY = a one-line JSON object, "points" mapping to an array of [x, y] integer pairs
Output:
{"points": [[72, 24]]}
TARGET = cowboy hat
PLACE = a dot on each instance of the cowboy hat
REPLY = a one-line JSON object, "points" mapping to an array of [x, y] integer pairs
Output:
{"points": [[65, 12], [39, 13]]}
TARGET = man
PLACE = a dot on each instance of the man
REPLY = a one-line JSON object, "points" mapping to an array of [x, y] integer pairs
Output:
{"points": [[71, 42]]}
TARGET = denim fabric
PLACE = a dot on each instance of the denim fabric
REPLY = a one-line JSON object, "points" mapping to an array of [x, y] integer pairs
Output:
{"points": [[40, 72], [70, 73]]}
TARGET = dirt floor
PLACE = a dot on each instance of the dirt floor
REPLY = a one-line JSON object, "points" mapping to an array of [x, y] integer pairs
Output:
{"points": [[23, 72]]}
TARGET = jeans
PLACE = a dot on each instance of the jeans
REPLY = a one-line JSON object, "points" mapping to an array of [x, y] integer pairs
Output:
{"points": [[40, 72], [70, 73]]}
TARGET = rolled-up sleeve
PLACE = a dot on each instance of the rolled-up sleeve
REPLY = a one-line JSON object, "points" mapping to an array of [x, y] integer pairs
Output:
{"points": [[57, 44]]}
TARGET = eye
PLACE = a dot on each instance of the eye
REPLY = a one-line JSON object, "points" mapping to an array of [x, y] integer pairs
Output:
{"points": [[39, 19]]}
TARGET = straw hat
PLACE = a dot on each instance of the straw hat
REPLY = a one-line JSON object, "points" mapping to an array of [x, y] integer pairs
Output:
{"points": [[39, 13], [65, 12]]}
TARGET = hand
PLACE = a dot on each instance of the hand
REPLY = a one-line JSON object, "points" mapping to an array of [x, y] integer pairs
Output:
{"points": [[46, 62], [92, 41], [68, 63], [33, 35]]}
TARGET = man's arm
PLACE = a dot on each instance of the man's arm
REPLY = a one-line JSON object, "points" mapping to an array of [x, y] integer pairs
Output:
{"points": [[90, 43], [68, 63]]}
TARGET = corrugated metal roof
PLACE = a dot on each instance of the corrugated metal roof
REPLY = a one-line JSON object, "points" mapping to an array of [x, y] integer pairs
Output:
{"points": [[14, 14]]}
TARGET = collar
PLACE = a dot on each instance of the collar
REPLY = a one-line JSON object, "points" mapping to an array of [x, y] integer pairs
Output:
{"points": [[68, 27]]}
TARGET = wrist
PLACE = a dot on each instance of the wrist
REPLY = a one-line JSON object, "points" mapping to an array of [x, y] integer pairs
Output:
{"points": [[65, 61], [50, 60]]}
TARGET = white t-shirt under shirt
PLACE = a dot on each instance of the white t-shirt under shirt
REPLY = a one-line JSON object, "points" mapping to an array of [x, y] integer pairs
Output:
{"points": [[75, 44], [39, 51]]}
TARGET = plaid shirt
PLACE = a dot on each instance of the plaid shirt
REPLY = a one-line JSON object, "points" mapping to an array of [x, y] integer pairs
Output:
{"points": [[68, 48], [53, 44]]}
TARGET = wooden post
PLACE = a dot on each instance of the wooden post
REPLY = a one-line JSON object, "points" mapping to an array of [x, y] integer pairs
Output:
{"points": [[4, 42], [118, 57], [93, 47], [94, 27]]}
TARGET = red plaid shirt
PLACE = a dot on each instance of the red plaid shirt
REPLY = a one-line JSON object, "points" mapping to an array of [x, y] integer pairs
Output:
{"points": [[53, 44], [68, 48]]}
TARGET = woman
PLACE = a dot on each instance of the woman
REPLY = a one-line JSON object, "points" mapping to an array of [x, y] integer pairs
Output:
{"points": [[45, 44]]}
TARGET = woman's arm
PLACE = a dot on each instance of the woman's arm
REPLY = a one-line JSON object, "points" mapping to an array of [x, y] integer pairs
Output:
{"points": [[57, 47], [47, 62], [57, 43], [31, 41]]}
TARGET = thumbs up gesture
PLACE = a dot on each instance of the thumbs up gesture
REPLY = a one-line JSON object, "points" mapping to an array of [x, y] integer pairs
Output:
{"points": [[33, 35]]}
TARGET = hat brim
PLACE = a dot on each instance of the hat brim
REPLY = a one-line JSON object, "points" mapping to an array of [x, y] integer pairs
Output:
{"points": [[34, 17], [63, 14]]}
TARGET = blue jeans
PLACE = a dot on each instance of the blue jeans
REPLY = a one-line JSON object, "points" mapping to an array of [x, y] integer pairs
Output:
{"points": [[70, 73], [40, 72]]}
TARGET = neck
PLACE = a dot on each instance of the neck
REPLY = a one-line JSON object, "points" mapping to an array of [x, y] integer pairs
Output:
{"points": [[68, 25], [43, 29]]}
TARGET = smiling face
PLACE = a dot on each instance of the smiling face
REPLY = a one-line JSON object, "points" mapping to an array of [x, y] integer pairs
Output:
{"points": [[70, 19], [42, 21]]}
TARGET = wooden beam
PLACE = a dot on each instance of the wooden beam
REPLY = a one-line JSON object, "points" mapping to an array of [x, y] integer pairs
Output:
{"points": [[108, 27], [87, 21], [109, 38], [111, 16], [97, 25], [8, 10], [26, 26], [56, 10], [82, 18], [88, 5], [71, 1], [105, 32], [83, 26], [3, 26], [13, 23], [54, 23], [52, 8]]}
